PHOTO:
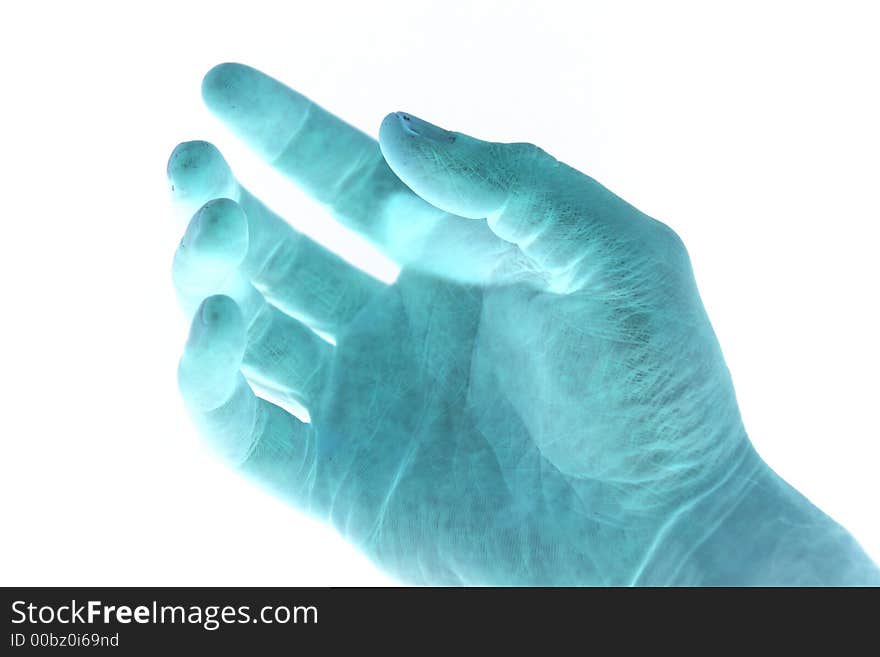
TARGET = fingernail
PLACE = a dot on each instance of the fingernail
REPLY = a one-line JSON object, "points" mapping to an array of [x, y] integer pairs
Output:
{"points": [[208, 221], [419, 128], [207, 315], [210, 313]]}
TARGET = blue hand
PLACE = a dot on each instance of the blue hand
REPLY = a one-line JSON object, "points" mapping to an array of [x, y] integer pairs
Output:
{"points": [[538, 399]]}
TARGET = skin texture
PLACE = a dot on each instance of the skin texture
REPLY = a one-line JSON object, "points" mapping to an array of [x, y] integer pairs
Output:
{"points": [[538, 399]]}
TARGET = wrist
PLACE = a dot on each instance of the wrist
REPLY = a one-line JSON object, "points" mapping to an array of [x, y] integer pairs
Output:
{"points": [[754, 529]]}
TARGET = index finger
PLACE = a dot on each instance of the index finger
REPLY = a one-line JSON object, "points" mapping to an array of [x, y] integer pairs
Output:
{"points": [[332, 161]]}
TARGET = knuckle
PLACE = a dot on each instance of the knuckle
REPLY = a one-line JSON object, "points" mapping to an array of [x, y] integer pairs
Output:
{"points": [[670, 243], [526, 153]]}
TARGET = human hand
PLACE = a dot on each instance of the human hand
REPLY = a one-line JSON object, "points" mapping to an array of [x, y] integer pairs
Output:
{"points": [[538, 399]]}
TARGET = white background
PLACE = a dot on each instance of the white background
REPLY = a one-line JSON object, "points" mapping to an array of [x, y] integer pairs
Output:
{"points": [[751, 130]]}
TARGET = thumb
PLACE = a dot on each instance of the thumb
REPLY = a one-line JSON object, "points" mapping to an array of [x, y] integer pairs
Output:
{"points": [[454, 172], [553, 212]]}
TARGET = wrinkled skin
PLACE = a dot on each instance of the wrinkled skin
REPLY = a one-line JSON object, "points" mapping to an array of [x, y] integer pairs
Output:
{"points": [[539, 398]]}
